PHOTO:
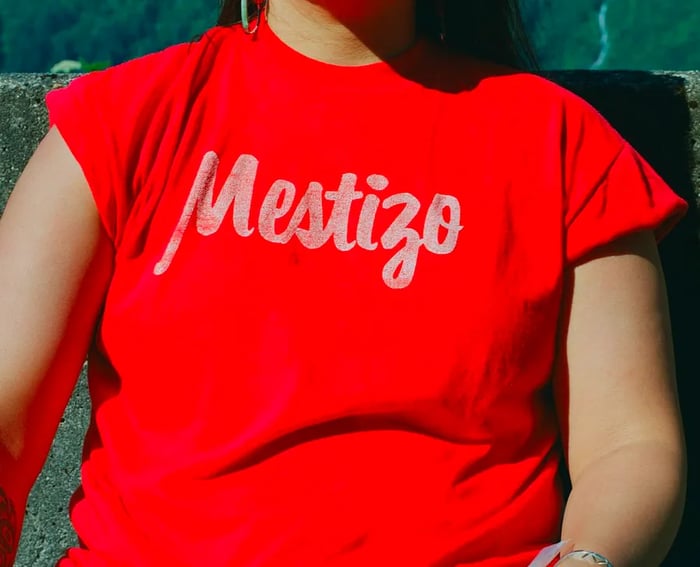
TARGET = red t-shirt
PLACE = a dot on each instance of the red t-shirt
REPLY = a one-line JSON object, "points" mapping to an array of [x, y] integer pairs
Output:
{"points": [[333, 318]]}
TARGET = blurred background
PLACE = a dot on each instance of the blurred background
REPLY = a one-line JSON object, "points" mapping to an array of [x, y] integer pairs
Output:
{"points": [[37, 35]]}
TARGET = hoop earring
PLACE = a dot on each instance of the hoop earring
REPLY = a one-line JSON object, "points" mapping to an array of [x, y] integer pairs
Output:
{"points": [[245, 20]]}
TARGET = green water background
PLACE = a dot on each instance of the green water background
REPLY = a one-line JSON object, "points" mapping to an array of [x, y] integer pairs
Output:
{"points": [[639, 34]]}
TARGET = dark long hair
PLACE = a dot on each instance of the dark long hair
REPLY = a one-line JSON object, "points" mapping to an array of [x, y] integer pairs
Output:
{"points": [[486, 29]]}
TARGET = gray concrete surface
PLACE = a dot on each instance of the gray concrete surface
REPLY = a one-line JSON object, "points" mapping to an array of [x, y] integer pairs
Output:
{"points": [[658, 112], [47, 532]]}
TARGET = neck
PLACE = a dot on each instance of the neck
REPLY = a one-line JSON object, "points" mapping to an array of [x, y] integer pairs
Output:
{"points": [[343, 32]]}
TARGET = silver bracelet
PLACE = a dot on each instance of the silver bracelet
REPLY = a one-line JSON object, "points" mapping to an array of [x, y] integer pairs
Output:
{"points": [[589, 556]]}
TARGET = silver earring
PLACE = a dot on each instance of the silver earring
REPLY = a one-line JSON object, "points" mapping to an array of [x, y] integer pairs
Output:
{"points": [[245, 19]]}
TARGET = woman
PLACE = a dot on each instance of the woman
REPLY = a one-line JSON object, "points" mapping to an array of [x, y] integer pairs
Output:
{"points": [[346, 279]]}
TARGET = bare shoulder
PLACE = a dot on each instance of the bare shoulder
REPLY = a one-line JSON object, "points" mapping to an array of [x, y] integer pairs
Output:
{"points": [[51, 182]]}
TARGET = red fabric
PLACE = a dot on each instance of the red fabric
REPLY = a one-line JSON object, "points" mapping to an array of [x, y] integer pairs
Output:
{"points": [[332, 323]]}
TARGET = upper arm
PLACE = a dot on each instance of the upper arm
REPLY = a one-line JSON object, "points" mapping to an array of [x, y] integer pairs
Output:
{"points": [[55, 264], [616, 385]]}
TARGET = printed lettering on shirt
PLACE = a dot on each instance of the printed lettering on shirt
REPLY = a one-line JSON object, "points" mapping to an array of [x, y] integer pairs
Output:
{"points": [[440, 231]]}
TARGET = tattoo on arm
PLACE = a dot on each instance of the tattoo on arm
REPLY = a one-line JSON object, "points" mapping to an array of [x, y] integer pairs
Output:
{"points": [[8, 530]]}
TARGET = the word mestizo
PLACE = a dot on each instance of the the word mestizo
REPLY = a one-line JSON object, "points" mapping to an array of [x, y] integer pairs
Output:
{"points": [[279, 221]]}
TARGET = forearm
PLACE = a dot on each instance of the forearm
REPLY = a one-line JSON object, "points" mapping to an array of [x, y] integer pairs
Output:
{"points": [[627, 505]]}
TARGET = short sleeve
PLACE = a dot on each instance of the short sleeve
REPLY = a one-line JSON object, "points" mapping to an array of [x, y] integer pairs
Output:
{"points": [[104, 118], [610, 189], [89, 124]]}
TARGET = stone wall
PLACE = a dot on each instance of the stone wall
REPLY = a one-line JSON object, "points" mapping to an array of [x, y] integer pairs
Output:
{"points": [[658, 112]]}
